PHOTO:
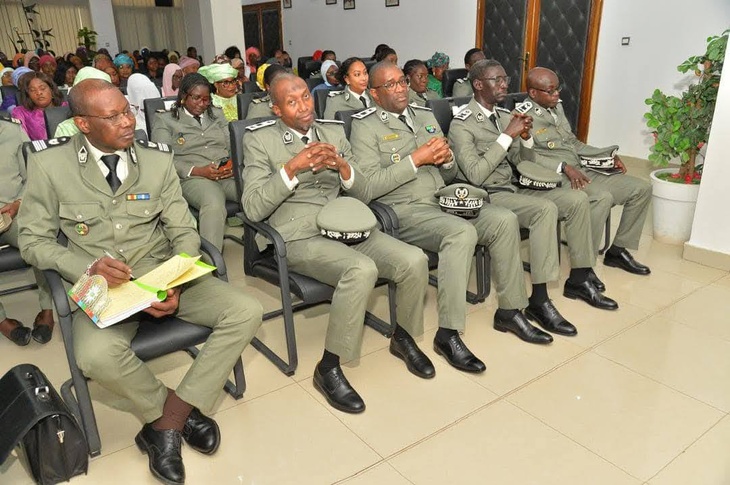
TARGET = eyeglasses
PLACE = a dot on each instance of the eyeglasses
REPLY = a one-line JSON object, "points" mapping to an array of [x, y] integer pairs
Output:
{"points": [[497, 80], [118, 118], [390, 85], [550, 92], [227, 82], [195, 98]]}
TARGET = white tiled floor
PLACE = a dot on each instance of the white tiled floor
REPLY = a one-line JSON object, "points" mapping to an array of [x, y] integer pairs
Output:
{"points": [[640, 396]]}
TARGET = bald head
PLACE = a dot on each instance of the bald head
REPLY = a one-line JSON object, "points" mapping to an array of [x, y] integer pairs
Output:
{"points": [[85, 95], [540, 77], [292, 102], [543, 86], [283, 83], [380, 71]]}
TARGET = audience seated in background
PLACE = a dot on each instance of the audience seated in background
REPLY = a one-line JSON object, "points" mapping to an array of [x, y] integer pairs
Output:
{"points": [[10, 101], [113, 75], [171, 77], [223, 78], [329, 71], [6, 79], [328, 55], [354, 75], [32, 61], [286, 59], [152, 68], [240, 66], [65, 75], [233, 52], [438, 63], [36, 91], [260, 107], [378, 49], [417, 76], [189, 65], [253, 58], [462, 87], [68, 127], [102, 61], [48, 65]]}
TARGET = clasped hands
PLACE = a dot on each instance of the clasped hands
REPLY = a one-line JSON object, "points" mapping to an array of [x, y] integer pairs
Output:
{"points": [[435, 151], [317, 156], [520, 125]]}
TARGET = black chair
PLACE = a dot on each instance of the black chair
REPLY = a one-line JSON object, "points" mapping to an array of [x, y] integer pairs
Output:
{"points": [[441, 109], [123, 89], [320, 99], [54, 116], [461, 100], [155, 338], [140, 135], [346, 118], [152, 106], [301, 66], [311, 67], [10, 260], [369, 63], [244, 101], [313, 82], [251, 87], [449, 78], [271, 266], [512, 100]]}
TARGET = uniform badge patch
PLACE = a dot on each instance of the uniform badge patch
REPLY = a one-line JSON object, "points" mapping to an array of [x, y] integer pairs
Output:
{"points": [[541, 131], [83, 155], [430, 129], [461, 193], [463, 114], [523, 107], [143, 196], [364, 113], [383, 116], [395, 158], [81, 229], [133, 154], [288, 137], [551, 145], [180, 139], [480, 117], [538, 111]]}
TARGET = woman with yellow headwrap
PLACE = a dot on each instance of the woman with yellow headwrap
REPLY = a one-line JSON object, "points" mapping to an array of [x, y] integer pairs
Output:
{"points": [[223, 77]]}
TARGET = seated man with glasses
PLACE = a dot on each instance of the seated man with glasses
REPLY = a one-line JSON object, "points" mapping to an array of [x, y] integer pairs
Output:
{"points": [[107, 193], [402, 151], [197, 133], [488, 142], [557, 148]]}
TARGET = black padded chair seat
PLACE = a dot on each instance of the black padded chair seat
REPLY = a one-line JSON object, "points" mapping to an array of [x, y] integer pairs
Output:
{"points": [[54, 116], [158, 337], [304, 287], [449, 78], [10, 260]]}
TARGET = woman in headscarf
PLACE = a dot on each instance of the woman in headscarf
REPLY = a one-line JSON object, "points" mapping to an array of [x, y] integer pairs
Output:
{"points": [[125, 67], [48, 65], [417, 75], [188, 65], [174, 57], [36, 92], [171, 77], [31, 61], [260, 106], [139, 88], [329, 72], [438, 63], [240, 66], [253, 57], [10, 101], [17, 60], [68, 127], [65, 75], [223, 78]]}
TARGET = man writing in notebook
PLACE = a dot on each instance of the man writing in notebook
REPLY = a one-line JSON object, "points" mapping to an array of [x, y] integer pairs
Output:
{"points": [[106, 192]]}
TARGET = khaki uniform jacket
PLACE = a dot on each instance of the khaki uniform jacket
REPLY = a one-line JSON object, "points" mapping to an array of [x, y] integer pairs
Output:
{"points": [[554, 141], [260, 108], [193, 146], [292, 213], [67, 192], [382, 145], [12, 164], [344, 100], [462, 87], [482, 161], [420, 99]]}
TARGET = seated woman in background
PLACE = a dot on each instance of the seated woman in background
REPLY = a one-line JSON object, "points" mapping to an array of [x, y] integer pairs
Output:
{"points": [[198, 134], [378, 49], [387, 54], [113, 75], [329, 72], [139, 88], [68, 127], [354, 75], [36, 92], [48, 65], [6, 79], [65, 75], [417, 76], [253, 58], [223, 78], [152, 67], [188, 65], [125, 67], [11, 101], [32, 61], [438, 63], [328, 55], [260, 107], [171, 77], [240, 66]]}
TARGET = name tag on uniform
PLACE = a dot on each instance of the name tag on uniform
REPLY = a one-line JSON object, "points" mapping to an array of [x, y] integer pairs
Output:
{"points": [[391, 137], [540, 131], [144, 196]]}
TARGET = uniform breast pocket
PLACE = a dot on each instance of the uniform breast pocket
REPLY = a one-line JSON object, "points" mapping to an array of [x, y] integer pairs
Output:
{"points": [[392, 150], [143, 211], [80, 220], [546, 138]]}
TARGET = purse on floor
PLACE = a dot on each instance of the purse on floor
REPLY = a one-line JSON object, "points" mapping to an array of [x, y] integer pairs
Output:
{"points": [[34, 417]]}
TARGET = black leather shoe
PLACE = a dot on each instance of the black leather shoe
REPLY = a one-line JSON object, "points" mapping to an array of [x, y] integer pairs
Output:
{"points": [[163, 448], [416, 361], [458, 355], [550, 319], [201, 433], [20, 335], [519, 326], [593, 278], [626, 262], [588, 293], [338, 392]]}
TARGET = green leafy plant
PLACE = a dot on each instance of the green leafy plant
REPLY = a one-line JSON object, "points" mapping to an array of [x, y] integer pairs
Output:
{"points": [[681, 124], [88, 37]]}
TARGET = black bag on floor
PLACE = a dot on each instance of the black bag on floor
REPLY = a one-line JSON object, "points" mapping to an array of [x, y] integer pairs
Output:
{"points": [[34, 416]]}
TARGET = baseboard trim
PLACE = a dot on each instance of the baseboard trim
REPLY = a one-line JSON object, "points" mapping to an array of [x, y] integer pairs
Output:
{"points": [[707, 257]]}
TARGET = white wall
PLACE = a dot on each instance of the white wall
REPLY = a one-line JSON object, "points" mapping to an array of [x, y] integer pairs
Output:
{"points": [[416, 29], [710, 229], [227, 30], [103, 24], [661, 39]]}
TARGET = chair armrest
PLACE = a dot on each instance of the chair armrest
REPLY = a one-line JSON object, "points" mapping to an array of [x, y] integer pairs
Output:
{"points": [[216, 259], [58, 293], [386, 216], [268, 232]]}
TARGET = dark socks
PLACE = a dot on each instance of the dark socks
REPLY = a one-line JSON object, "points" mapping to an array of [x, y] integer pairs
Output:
{"points": [[506, 314], [539, 294], [174, 413], [614, 250], [443, 334], [329, 361], [579, 275]]}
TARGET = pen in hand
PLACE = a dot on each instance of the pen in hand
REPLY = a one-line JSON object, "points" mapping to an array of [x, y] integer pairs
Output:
{"points": [[131, 276]]}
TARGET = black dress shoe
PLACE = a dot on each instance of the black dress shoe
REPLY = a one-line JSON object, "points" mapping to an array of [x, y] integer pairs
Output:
{"points": [[163, 448], [626, 262], [458, 355], [416, 361], [588, 293], [550, 318], [339, 393], [593, 278], [201, 433], [519, 326], [20, 335]]}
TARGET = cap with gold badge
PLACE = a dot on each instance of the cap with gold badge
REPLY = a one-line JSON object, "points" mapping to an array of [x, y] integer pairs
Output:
{"points": [[462, 200]]}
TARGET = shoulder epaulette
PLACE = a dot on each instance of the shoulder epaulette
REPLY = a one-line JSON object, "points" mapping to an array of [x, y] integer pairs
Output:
{"points": [[332, 94], [262, 99], [462, 80], [40, 145], [415, 106], [10, 119], [337, 122], [504, 110], [463, 114], [163, 147], [260, 125], [523, 107], [161, 110], [364, 113]]}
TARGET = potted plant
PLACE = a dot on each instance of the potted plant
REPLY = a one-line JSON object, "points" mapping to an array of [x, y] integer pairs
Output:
{"points": [[680, 126], [87, 38]]}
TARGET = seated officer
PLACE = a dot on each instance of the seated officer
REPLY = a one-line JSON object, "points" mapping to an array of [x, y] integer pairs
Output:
{"points": [[197, 132], [105, 193], [462, 87], [292, 168], [557, 148], [401, 149], [12, 183], [260, 107], [354, 76], [488, 141]]}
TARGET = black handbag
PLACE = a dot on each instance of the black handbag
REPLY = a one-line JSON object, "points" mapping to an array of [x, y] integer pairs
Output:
{"points": [[33, 416]]}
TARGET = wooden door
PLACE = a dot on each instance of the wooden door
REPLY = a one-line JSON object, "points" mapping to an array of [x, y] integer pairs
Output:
{"points": [[262, 27], [561, 35]]}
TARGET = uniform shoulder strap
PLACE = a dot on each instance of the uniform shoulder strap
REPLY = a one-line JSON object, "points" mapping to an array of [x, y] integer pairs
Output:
{"points": [[364, 113], [263, 124]]}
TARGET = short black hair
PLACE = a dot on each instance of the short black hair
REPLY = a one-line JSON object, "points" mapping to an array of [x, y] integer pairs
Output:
{"points": [[232, 51], [273, 71], [379, 48], [377, 68], [326, 53], [411, 65], [384, 52], [480, 67], [283, 77], [469, 53]]}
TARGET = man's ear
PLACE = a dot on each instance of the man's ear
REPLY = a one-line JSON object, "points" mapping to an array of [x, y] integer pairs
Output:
{"points": [[374, 94], [82, 124], [477, 85], [276, 110]]}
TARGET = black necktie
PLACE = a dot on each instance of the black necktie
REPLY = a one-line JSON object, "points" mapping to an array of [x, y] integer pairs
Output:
{"points": [[112, 178], [493, 119], [305, 139], [405, 122], [197, 118], [364, 102]]}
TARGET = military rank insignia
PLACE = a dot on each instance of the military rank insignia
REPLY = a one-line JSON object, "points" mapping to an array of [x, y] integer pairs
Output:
{"points": [[480, 117], [431, 129], [383, 116], [287, 137]]}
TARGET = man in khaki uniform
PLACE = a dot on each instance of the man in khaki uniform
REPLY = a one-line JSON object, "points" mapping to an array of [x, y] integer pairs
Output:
{"points": [[462, 87], [198, 134], [12, 185], [402, 151], [105, 193], [488, 142], [295, 166], [557, 148]]}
